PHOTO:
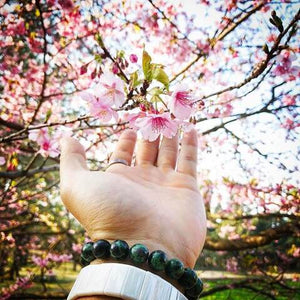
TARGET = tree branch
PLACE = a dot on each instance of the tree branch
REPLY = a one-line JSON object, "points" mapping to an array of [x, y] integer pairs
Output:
{"points": [[220, 37], [261, 67], [22, 173], [254, 241]]}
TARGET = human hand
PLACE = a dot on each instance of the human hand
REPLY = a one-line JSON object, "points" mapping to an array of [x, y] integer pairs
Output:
{"points": [[149, 203]]}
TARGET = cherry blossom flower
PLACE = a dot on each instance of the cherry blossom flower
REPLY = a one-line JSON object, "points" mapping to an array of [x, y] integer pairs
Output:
{"points": [[152, 125], [111, 89], [21, 283], [132, 117], [49, 145], [181, 103], [99, 108], [284, 66]]}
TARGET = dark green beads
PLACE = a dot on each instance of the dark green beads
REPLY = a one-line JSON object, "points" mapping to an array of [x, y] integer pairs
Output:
{"points": [[139, 253], [174, 268], [102, 249], [119, 249], [157, 260], [188, 279], [87, 252], [196, 290], [83, 262]]}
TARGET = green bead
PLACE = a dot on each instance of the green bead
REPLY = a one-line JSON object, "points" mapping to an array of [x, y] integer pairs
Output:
{"points": [[102, 249], [174, 268], [119, 249], [87, 252], [188, 279], [83, 262], [157, 260], [139, 253], [196, 290]]}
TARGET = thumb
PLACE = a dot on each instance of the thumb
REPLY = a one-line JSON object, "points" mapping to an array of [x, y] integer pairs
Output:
{"points": [[72, 157]]}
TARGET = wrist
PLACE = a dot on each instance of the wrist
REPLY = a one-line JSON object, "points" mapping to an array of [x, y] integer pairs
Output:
{"points": [[138, 256]]}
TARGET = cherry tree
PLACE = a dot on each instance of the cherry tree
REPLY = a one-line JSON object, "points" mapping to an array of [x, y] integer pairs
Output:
{"points": [[90, 69]]}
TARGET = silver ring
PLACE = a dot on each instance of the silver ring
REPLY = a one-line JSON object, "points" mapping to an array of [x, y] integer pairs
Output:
{"points": [[117, 161]]}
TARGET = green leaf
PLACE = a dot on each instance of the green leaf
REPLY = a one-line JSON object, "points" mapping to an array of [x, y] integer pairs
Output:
{"points": [[160, 75], [146, 63], [155, 91], [134, 77], [48, 115], [98, 58], [99, 40], [156, 98]]}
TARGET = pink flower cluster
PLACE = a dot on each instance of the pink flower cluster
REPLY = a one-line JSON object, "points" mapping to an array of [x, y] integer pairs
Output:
{"points": [[21, 283], [48, 140], [50, 258], [76, 248], [284, 66], [232, 265], [109, 92], [228, 231], [150, 122], [153, 123]]}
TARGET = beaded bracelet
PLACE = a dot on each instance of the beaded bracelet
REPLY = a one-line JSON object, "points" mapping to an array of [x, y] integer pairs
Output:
{"points": [[139, 254]]}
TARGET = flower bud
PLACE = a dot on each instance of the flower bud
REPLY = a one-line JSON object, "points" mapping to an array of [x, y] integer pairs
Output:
{"points": [[133, 58]]}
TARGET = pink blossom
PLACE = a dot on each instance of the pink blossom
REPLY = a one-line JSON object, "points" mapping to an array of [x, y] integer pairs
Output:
{"points": [[289, 100], [36, 45], [21, 283], [111, 89], [76, 248], [230, 4], [204, 46], [284, 66], [133, 58], [99, 108], [289, 124], [229, 232], [296, 252], [152, 125], [232, 265], [16, 29], [272, 37], [181, 103], [50, 258], [48, 145], [66, 4], [132, 117], [2, 160]]}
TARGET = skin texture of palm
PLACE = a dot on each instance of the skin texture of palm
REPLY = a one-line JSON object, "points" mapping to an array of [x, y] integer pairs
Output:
{"points": [[155, 202]]}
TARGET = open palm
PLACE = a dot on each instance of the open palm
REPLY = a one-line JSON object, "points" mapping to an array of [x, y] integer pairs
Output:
{"points": [[150, 203]]}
